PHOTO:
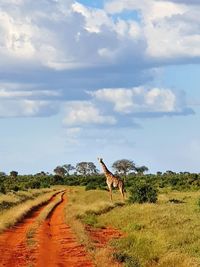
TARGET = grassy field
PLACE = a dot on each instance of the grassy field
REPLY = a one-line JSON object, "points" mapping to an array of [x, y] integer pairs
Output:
{"points": [[165, 234], [14, 198], [14, 206]]}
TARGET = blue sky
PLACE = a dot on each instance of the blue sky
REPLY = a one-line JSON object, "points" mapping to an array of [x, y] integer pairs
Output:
{"points": [[116, 79]]}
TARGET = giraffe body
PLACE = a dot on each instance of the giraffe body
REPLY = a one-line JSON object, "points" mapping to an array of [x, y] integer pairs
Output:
{"points": [[112, 180]]}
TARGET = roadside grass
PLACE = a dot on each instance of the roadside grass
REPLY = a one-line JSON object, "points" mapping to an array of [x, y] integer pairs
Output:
{"points": [[30, 234], [165, 234], [16, 213], [14, 198], [83, 208], [162, 234], [86, 205]]}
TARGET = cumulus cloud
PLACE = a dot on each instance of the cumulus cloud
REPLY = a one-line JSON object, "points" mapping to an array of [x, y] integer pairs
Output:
{"points": [[27, 103], [139, 100], [85, 113], [66, 35], [167, 26], [67, 47], [27, 108]]}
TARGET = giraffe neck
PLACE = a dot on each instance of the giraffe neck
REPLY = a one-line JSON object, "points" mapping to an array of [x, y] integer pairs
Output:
{"points": [[105, 169]]}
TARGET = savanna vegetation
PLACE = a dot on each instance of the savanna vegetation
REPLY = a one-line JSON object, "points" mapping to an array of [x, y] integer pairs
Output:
{"points": [[159, 219], [86, 174], [14, 206], [161, 234]]}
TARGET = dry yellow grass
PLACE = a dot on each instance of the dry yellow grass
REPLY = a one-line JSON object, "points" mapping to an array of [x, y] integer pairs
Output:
{"points": [[14, 198], [13, 215], [83, 205], [164, 234]]}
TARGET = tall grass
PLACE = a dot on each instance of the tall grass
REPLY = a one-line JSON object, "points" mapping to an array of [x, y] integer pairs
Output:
{"points": [[162, 234], [15, 214], [14, 198], [83, 208], [165, 234]]}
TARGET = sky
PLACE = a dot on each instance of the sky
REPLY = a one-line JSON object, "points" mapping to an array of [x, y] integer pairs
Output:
{"points": [[112, 79]]}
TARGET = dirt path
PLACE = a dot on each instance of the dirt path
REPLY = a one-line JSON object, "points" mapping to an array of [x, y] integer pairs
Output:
{"points": [[57, 243], [13, 248]]}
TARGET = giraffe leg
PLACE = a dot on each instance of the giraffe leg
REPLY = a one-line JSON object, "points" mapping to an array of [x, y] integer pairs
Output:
{"points": [[110, 190], [121, 189]]}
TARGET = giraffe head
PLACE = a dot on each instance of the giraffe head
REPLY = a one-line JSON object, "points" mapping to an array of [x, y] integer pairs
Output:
{"points": [[100, 160]]}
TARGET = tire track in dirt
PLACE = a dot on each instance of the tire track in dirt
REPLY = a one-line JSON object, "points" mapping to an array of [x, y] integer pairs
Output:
{"points": [[13, 248], [57, 244]]}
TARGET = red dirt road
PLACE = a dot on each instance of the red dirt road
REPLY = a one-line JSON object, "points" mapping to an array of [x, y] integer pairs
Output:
{"points": [[14, 251], [56, 244]]}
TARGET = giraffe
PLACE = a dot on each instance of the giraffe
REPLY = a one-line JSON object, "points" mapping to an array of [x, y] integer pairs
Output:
{"points": [[112, 180]]}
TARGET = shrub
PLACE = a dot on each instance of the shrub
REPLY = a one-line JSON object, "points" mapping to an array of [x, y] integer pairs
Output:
{"points": [[176, 201], [90, 219], [125, 258], [143, 192], [90, 186], [2, 189]]}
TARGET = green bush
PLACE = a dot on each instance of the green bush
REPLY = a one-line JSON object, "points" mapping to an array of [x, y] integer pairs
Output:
{"points": [[90, 186], [143, 192], [2, 189], [125, 258]]}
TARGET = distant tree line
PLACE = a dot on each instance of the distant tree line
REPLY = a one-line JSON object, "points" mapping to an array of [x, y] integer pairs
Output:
{"points": [[86, 174]]}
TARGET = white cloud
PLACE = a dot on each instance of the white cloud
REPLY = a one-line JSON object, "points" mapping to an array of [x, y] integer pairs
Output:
{"points": [[167, 27], [83, 44], [65, 34], [27, 94], [140, 100], [85, 113], [94, 18], [27, 108]]}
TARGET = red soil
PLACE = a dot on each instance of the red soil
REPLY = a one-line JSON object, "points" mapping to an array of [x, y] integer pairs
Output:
{"points": [[13, 248], [101, 237], [58, 245]]}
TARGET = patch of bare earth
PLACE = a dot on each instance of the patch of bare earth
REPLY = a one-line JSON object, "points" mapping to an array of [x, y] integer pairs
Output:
{"points": [[101, 238]]}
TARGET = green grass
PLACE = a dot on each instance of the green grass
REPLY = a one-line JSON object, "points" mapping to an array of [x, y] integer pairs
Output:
{"points": [[16, 213], [14, 198], [156, 232], [83, 208], [165, 234]]}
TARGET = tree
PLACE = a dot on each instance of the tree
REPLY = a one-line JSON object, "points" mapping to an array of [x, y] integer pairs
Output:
{"points": [[86, 168], [68, 168], [2, 174], [141, 170], [60, 171], [123, 166], [91, 168], [13, 174]]}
